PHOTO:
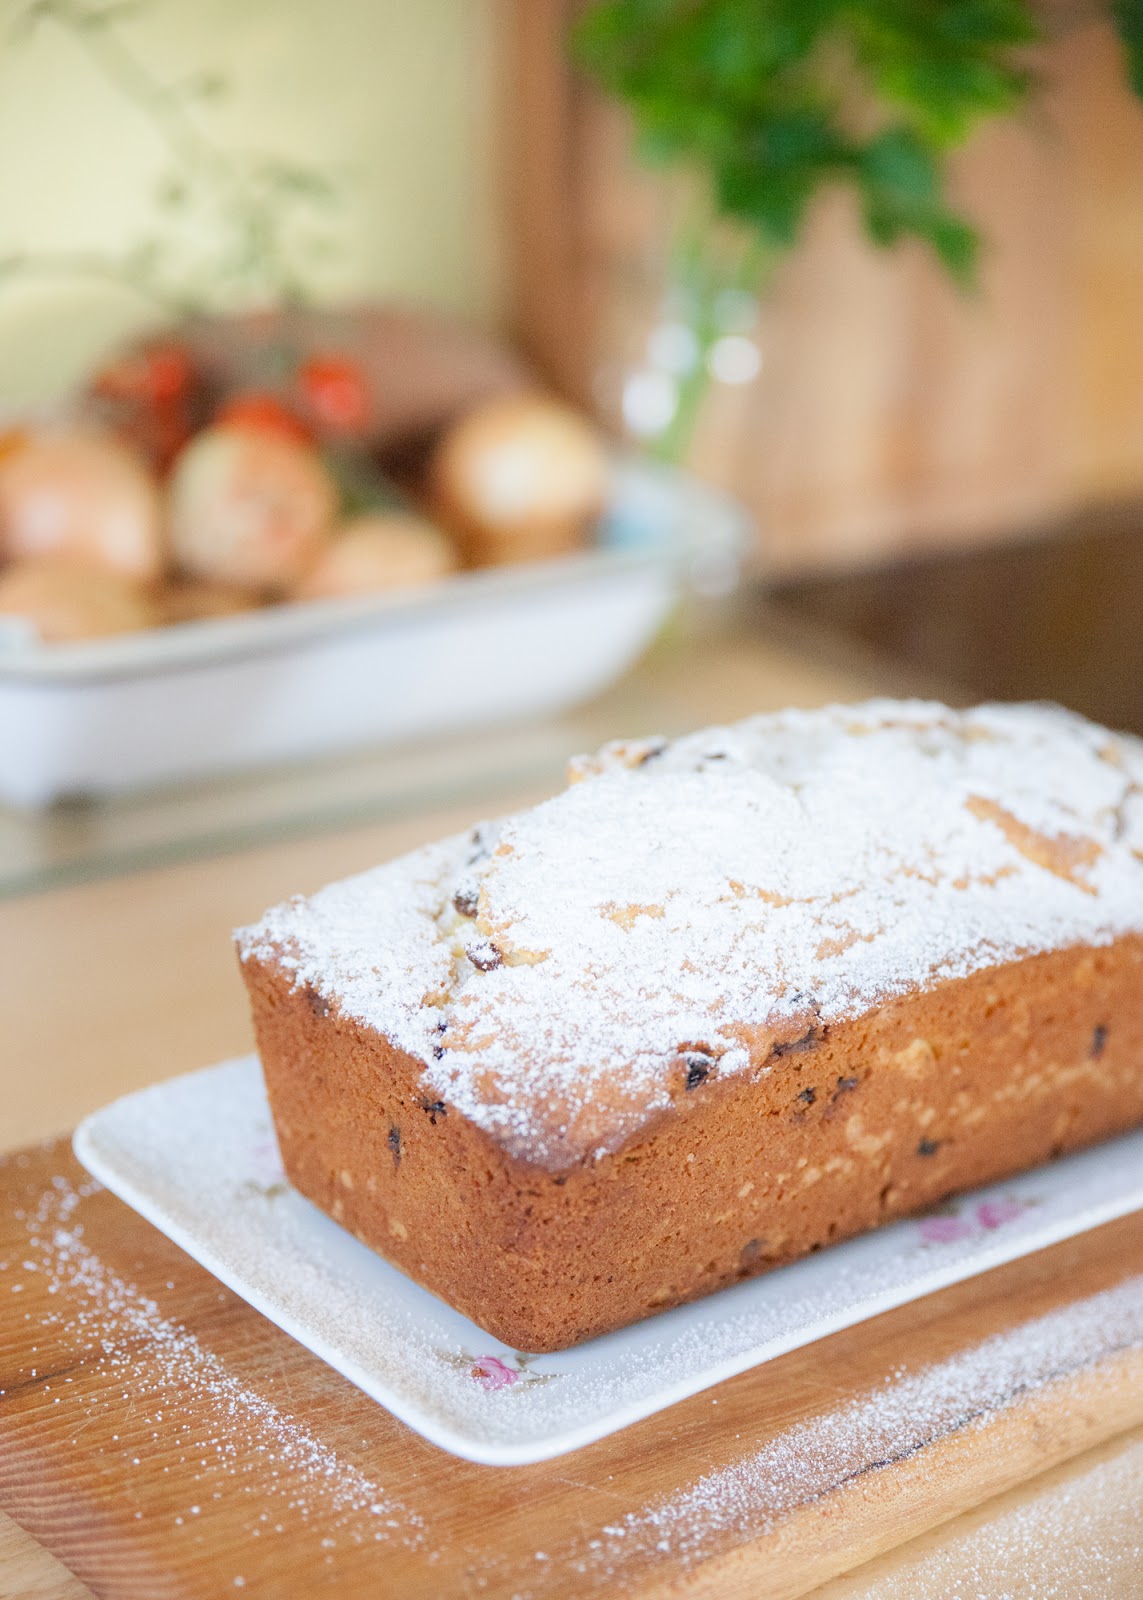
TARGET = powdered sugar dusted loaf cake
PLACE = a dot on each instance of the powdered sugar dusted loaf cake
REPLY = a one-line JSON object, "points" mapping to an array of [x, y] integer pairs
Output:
{"points": [[725, 1000]]}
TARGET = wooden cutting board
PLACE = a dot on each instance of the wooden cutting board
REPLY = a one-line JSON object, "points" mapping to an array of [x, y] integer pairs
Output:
{"points": [[163, 1439]]}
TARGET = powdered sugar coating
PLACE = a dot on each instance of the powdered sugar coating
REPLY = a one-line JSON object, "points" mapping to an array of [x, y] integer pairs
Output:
{"points": [[553, 971]]}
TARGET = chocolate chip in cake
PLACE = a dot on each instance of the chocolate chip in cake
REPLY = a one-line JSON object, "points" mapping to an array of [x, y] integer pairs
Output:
{"points": [[809, 1096], [484, 955], [465, 900], [653, 748], [844, 1085], [317, 1004], [814, 1034], [699, 1065], [1098, 1041], [482, 842], [395, 1145], [928, 1147], [806, 1041], [751, 1251], [434, 1108]]}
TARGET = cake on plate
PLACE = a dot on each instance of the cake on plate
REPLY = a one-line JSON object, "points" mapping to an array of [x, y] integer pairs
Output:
{"points": [[726, 1000]]}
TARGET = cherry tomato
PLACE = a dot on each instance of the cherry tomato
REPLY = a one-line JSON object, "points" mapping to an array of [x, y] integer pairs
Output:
{"points": [[158, 375], [265, 412], [337, 392], [172, 371]]}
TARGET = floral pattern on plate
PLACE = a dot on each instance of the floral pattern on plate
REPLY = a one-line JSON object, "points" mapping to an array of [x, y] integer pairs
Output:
{"points": [[497, 1372], [953, 1223]]}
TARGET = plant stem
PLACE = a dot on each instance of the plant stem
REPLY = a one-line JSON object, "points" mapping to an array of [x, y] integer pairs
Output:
{"points": [[254, 252], [698, 268], [77, 264], [248, 213], [674, 441], [165, 110]]}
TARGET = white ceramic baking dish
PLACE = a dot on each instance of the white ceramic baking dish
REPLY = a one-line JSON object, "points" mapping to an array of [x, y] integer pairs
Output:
{"points": [[293, 681]]}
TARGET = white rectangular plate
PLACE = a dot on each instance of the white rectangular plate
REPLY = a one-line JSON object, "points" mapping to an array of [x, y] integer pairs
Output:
{"points": [[197, 1157]]}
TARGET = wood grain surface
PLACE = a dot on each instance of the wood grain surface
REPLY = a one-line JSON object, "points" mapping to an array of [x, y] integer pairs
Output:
{"points": [[163, 1439], [1073, 1532], [29, 1572]]}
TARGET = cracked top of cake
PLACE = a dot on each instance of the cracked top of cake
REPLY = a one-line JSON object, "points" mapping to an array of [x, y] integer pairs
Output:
{"points": [[690, 907]]}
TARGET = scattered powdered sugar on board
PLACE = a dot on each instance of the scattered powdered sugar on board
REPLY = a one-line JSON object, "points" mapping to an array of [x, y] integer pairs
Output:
{"points": [[167, 1377], [885, 1427], [809, 863], [891, 1425], [1077, 1537]]}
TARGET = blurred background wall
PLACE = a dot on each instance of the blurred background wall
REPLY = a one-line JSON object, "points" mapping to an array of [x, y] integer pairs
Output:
{"points": [[394, 101]]}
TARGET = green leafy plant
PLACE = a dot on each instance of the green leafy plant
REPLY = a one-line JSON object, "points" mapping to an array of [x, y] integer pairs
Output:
{"points": [[765, 103], [1129, 19], [773, 99]]}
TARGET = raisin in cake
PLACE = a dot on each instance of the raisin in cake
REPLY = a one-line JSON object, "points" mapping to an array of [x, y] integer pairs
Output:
{"points": [[723, 1001]]}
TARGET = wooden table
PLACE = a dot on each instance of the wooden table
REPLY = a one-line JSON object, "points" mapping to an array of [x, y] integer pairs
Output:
{"points": [[115, 983]]}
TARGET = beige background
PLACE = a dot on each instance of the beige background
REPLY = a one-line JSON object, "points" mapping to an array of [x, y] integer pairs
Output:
{"points": [[394, 99]]}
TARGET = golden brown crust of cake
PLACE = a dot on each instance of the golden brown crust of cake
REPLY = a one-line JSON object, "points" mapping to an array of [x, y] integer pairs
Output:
{"points": [[718, 894], [824, 1136]]}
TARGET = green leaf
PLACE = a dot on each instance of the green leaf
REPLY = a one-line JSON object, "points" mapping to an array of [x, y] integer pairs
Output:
{"points": [[774, 100], [1129, 19]]}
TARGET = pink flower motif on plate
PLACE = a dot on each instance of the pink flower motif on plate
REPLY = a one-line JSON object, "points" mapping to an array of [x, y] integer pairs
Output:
{"points": [[944, 1230], [491, 1373], [949, 1228]]}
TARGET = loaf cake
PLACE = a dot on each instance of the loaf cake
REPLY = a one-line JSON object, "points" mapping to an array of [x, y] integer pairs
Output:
{"points": [[725, 1000]]}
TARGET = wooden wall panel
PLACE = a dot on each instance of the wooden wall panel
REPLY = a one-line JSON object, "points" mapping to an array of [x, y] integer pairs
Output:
{"points": [[546, 163], [892, 413], [1102, 160]]}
